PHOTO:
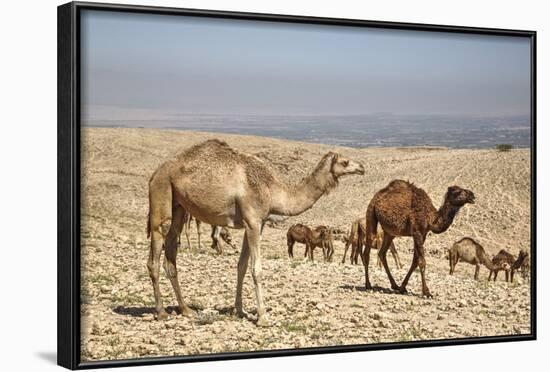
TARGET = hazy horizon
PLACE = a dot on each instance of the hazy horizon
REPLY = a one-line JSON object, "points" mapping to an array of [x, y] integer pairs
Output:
{"points": [[143, 66]]}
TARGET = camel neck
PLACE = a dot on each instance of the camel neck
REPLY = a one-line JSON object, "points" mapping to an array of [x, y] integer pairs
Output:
{"points": [[291, 200], [444, 217]]}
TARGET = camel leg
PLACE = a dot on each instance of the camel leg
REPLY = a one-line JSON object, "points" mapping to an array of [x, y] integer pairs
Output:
{"points": [[290, 244], [160, 220], [253, 237], [214, 235], [186, 229], [359, 248], [171, 251], [345, 252], [414, 264], [476, 274], [382, 255], [455, 262], [490, 274], [419, 246], [507, 273], [450, 264], [241, 271], [395, 256], [198, 224], [366, 258], [496, 272]]}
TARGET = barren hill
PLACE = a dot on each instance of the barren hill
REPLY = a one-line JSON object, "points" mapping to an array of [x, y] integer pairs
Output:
{"points": [[310, 304]]}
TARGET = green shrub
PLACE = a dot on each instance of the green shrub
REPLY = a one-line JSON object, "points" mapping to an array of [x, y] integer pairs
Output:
{"points": [[504, 147]]}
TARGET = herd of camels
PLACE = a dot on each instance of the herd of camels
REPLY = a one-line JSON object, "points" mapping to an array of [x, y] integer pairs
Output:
{"points": [[243, 193]]}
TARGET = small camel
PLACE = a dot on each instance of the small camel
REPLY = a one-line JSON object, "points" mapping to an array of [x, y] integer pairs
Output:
{"points": [[225, 236], [523, 264], [503, 260], [223, 187], [318, 237], [470, 251], [402, 209], [328, 243], [356, 239]]}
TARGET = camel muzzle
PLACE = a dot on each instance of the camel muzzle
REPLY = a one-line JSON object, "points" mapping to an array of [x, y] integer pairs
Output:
{"points": [[360, 170]]}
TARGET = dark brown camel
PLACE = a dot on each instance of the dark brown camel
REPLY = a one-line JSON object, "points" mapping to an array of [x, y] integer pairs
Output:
{"points": [[402, 209], [503, 260], [523, 264]]}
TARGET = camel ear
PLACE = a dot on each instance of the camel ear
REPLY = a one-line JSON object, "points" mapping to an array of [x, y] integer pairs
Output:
{"points": [[334, 159]]}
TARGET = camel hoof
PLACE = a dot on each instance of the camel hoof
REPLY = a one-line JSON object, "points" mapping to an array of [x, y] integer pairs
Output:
{"points": [[263, 322], [187, 312], [395, 287], [162, 315], [402, 290], [368, 287], [427, 294], [240, 313]]}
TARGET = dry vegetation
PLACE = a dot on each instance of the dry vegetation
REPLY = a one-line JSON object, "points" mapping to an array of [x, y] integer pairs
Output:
{"points": [[309, 304]]}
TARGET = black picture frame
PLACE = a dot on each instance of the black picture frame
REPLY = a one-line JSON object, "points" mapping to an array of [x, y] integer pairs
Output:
{"points": [[68, 216]]}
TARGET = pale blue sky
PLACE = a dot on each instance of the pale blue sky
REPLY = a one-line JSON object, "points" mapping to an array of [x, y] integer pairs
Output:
{"points": [[201, 65]]}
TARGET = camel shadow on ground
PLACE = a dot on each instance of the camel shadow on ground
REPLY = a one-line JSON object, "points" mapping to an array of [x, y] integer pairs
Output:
{"points": [[140, 311], [375, 288]]}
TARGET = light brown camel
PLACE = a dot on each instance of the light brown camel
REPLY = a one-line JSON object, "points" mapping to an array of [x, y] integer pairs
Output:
{"points": [[311, 238], [356, 239], [223, 187], [503, 260], [402, 209], [470, 251]]}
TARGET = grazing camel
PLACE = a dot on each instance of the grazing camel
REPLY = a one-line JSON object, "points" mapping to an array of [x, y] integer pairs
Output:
{"points": [[470, 251], [356, 239], [402, 209], [223, 187], [503, 260], [223, 234], [318, 237], [523, 263]]}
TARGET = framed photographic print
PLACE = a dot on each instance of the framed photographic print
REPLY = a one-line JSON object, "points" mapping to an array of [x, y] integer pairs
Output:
{"points": [[230, 185]]}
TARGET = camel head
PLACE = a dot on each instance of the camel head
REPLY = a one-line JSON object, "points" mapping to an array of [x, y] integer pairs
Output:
{"points": [[523, 257], [458, 196], [341, 166]]}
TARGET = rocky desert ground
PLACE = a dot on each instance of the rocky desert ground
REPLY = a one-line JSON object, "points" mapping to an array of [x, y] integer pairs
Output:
{"points": [[309, 303]]}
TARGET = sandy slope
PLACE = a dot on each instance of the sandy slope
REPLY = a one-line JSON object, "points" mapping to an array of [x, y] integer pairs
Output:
{"points": [[310, 304]]}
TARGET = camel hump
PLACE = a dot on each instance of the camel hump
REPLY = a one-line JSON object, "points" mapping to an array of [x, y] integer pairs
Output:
{"points": [[216, 142], [211, 147], [397, 186], [468, 239]]}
